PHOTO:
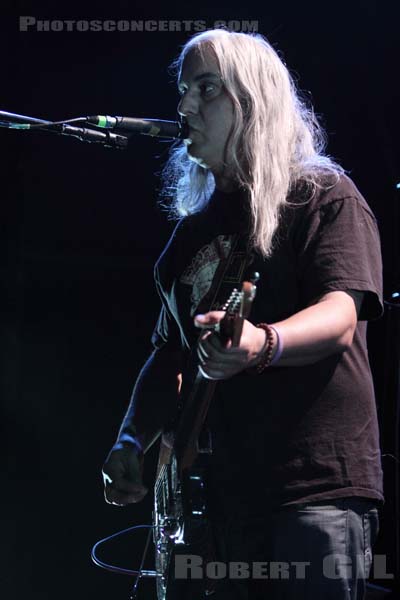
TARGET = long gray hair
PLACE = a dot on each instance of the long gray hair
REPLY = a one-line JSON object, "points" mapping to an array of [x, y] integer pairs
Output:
{"points": [[276, 141]]}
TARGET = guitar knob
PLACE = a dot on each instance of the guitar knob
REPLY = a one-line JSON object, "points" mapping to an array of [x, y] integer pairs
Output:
{"points": [[255, 277]]}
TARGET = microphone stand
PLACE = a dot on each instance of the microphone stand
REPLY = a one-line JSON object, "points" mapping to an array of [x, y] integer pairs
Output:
{"points": [[84, 134], [102, 124], [391, 395]]}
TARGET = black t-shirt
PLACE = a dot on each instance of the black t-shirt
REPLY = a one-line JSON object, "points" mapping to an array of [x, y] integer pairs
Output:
{"points": [[291, 434]]}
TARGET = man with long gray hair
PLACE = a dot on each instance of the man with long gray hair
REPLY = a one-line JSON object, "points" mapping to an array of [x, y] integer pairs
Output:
{"points": [[295, 475]]}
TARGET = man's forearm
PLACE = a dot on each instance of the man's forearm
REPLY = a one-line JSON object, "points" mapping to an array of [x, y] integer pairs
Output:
{"points": [[323, 329], [153, 399]]}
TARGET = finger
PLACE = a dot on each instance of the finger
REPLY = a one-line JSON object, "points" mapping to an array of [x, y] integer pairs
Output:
{"points": [[106, 478], [204, 349], [210, 353], [212, 345], [206, 352], [214, 361], [212, 374], [215, 342], [126, 486], [209, 319], [120, 498], [201, 355], [216, 372]]}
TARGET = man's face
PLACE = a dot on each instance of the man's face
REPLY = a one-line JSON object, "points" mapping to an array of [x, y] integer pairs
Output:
{"points": [[207, 109]]}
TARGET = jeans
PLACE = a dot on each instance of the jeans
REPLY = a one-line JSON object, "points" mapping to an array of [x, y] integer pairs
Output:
{"points": [[315, 551]]}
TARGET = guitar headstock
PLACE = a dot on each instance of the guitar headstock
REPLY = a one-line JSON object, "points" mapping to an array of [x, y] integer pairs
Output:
{"points": [[237, 308]]}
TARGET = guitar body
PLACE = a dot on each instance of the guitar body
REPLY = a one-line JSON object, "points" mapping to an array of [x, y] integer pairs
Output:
{"points": [[181, 526], [180, 519]]}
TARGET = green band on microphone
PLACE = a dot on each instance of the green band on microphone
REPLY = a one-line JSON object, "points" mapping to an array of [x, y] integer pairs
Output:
{"points": [[102, 121]]}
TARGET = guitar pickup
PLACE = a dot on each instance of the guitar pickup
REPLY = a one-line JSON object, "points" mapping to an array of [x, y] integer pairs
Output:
{"points": [[204, 442], [195, 494]]}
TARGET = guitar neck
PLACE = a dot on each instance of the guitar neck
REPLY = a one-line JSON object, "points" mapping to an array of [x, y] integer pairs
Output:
{"points": [[192, 420], [202, 390]]}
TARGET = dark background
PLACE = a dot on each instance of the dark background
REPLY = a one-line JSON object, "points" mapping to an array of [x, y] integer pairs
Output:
{"points": [[80, 231]]}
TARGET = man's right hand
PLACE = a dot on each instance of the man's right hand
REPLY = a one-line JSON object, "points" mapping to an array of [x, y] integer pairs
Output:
{"points": [[122, 475]]}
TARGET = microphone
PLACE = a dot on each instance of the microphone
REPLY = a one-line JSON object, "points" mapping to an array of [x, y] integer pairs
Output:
{"points": [[153, 127], [106, 138]]}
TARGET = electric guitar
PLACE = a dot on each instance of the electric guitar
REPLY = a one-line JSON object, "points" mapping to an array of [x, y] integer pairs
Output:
{"points": [[181, 525]]}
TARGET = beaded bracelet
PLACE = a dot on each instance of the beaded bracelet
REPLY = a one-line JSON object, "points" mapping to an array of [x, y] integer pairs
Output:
{"points": [[266, 352]]}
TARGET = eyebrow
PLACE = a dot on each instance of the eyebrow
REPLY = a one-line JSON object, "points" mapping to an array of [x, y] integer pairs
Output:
{"points": [[201, 76]]}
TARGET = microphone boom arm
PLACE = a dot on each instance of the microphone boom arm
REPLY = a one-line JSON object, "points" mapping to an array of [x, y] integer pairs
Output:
{"points": [[129, 125]]}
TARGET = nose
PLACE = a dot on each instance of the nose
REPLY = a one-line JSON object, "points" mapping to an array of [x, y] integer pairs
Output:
{"points": [[188, 105]]}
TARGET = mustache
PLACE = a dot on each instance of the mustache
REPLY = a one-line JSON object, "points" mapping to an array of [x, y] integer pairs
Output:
{"points": [[190, 125]]}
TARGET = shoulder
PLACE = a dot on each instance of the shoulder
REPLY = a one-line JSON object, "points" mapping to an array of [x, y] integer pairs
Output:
{"points": [[333, 198], [179, 244], [329, 191]]}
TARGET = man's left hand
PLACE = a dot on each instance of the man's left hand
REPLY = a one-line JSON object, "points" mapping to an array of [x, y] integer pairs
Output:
{"points": [[219, 361]]}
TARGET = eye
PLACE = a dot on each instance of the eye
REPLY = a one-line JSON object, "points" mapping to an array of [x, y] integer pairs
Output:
{"points": [[207, 88]]}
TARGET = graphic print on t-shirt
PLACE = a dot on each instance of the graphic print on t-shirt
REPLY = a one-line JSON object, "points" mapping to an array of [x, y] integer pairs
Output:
{"points": [[200, 273]]}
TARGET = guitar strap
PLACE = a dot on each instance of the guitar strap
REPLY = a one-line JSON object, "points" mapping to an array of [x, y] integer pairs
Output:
{"points": [[230, 273]]}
